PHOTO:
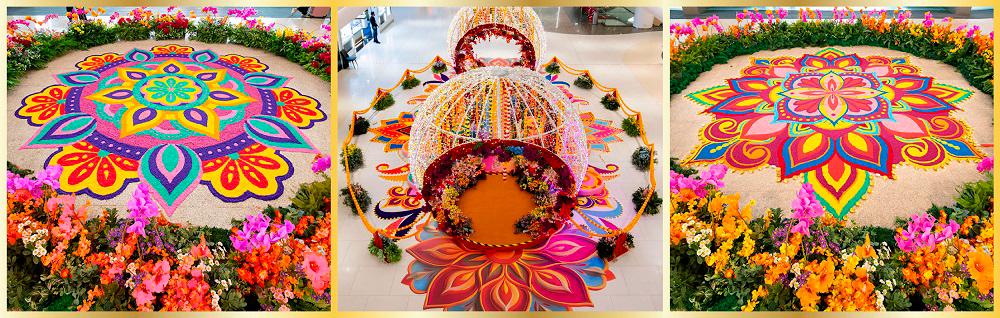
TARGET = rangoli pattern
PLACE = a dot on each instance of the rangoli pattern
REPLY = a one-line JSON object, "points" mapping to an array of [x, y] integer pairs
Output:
{"points": [[555, 275], [172, 117], [835, 119]]}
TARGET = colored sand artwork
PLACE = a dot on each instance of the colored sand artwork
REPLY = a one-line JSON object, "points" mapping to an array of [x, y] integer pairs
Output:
{"points": [[834, 118], [172, 117]]}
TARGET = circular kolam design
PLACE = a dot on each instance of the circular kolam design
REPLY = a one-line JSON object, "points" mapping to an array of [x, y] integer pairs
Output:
{"points": [[835, 119], [171, 117], [471, 25], [498, 103]]}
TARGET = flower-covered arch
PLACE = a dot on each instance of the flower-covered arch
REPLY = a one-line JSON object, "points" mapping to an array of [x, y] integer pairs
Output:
{"points": [[474, 24]]}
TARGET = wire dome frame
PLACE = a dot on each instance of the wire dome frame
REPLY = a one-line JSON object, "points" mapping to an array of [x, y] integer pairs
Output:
{"points": [[495, 102], [473, 24]]}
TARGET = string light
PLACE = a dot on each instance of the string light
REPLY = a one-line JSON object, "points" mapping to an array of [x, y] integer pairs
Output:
{"points": [[496, 102], [475, 23]]}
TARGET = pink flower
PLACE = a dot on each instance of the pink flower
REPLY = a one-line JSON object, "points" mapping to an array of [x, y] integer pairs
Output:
{"points": [[141, 208], [782, 13], [212, 10], [317, 270], [928, 19], [696, 22], [142, 297], [805, 208], [714, 176], [321, 164], [157, 280], [740, 16], [50, 176], [986, 165]]}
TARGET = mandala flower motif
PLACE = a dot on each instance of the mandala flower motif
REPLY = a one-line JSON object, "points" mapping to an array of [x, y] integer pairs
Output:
{"points": [[170, 93], [394, 133], [172, 49], [833, 118], [88, 169], [256, 171], [171, 118], [39, 108], [600, 132], [250, 64], [298, 109], [555, 275], [94, 62]]}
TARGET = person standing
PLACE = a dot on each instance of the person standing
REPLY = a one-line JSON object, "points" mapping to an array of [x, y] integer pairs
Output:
{"points": [[374, 26]]}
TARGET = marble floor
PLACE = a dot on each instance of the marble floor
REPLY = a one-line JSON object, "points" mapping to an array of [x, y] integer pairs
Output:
{"points": [[631, 62]]}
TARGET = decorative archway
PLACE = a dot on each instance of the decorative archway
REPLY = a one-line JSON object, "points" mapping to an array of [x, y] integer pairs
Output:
{"points": [[518, 24]]}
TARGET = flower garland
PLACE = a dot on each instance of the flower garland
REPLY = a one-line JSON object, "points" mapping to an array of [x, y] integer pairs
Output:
{"points": [[461, 168], [465, 56]]}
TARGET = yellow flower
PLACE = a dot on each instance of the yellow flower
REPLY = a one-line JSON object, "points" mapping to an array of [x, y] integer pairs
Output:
{"points": [[981, 270]]}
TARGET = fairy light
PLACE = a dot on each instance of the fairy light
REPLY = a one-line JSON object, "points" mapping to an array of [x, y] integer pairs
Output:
{"points": [[496, 102], [524, 21]]}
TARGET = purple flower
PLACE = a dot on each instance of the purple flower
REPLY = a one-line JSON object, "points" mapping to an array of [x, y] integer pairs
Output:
{"points": [[141, 208], [50, 176], [321, 164], [805, 209], [986, 165], [255, 233]]}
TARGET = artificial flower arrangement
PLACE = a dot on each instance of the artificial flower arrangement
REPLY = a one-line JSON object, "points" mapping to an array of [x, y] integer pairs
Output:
{"points": [[536, 170], [699, 44], [30, 47], [722, 258], [465, 57], [61, 258]]}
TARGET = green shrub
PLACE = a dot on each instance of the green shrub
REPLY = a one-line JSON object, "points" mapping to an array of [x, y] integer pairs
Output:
{"points": [[686, 171], [552, 68], [584, 81], [641, 158], [410, 82], [131, 31], [606, 245], [389, 253], [610, 102], [18, 170], [91, 33], [361, 126], [385, 102], [352, 157], [439, 67], [210, 32], [360, 194], [654, 204], [630, 127], [313, 197]]}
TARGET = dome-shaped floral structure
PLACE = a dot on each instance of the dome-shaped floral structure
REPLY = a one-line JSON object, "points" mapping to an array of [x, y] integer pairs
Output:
{"points": [[507, 103], [474, 24]]}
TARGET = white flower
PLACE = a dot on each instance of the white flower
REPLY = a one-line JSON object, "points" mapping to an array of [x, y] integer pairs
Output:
{"points": [[704, 251], [880, 300], [39, 251]]}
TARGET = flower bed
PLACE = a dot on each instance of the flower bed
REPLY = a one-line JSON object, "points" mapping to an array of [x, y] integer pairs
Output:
{"points": [[698, 45], [62, 258], [722, 258], [29, 48]]}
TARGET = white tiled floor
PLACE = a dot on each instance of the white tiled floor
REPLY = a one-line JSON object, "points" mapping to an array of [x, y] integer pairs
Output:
{"points": [[630, 62]]}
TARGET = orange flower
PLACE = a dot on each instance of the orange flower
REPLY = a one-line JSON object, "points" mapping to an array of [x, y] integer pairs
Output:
{"points": [[981, 270], [866, 250]]}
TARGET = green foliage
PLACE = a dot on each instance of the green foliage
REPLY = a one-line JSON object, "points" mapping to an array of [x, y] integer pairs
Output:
{"points": [[552, 68], [610, 102], [686, 65], [584, 81], [676, 166], [18, 170], [606, 246], [314, 197], [360, 194], [410, 82], [977, 197], [654, 204], [641, 158], [352, 157], [91, 33], [630, 127], [439, 67], [361, 126], [385, 102], [211, 32], [131, 31], [389, 253]]}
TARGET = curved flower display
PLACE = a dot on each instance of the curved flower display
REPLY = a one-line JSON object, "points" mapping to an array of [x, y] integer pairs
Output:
{"points": [[835, 119], [554, 275], [172, 117]]}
